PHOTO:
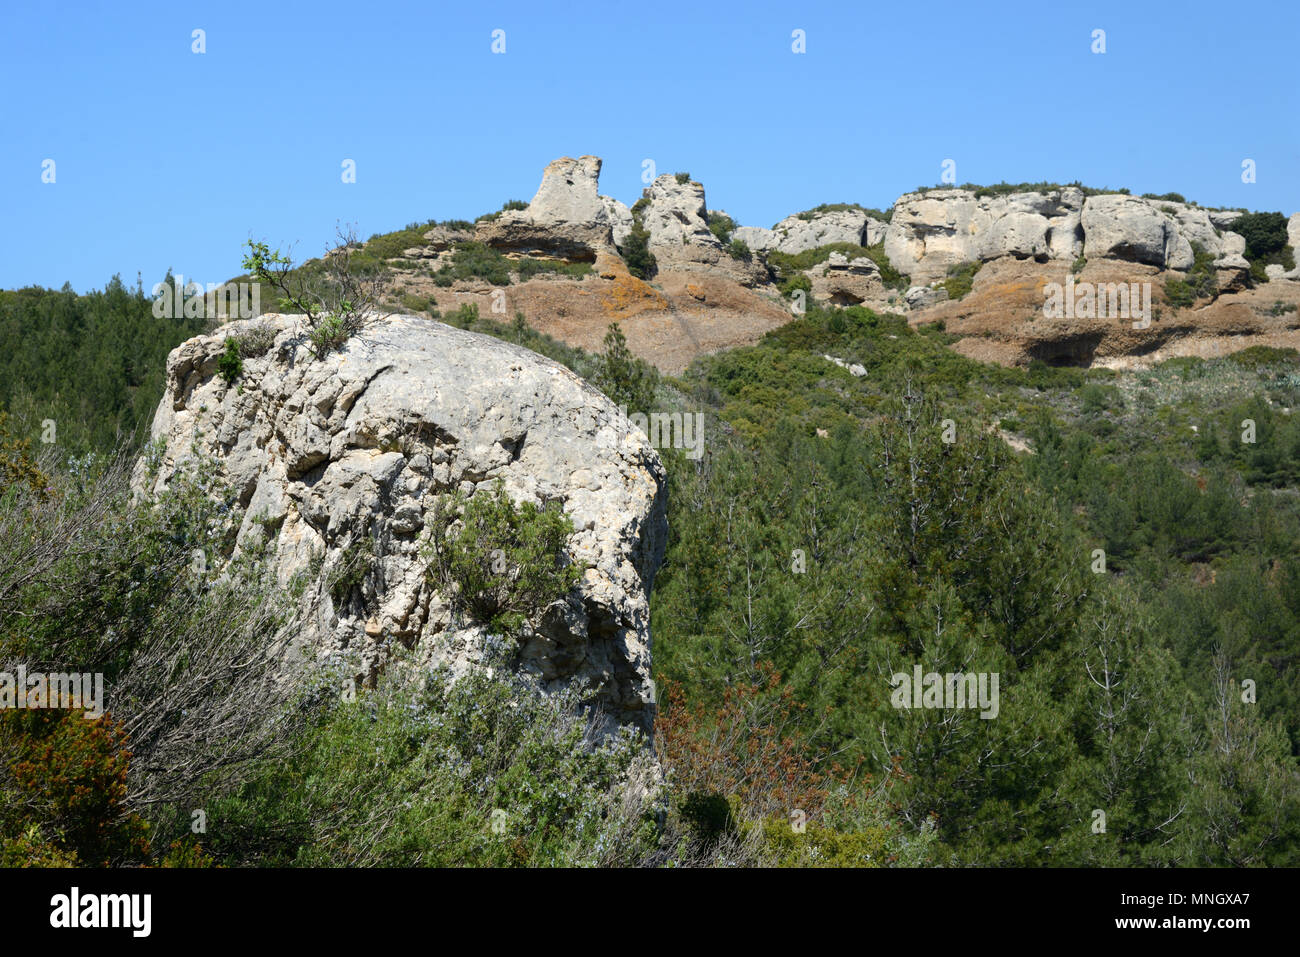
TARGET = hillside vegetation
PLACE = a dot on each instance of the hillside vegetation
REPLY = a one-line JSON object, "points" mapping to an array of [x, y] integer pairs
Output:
{"points": [[1122, 549]]}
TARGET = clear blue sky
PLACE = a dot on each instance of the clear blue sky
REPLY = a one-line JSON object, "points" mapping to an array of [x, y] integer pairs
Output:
{"points": [[166, 158]]}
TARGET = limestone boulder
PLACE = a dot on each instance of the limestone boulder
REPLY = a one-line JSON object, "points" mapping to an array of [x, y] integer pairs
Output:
{"points": [[932, 231], [343, 458], [846, 282], [1136, 230], [567, 218], [676, 217]]}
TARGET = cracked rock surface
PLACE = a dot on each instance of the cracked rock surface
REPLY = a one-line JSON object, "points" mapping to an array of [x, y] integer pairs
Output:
{"points": [[346, 455]]}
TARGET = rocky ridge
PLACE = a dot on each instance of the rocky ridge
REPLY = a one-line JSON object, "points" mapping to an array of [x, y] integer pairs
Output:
{"points": [[709, 294]]}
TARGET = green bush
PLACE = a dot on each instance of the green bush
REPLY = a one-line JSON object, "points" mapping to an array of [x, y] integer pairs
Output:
{"points": [[1256, 357], [505, 564], [384, 246], [510, 204], [708, 818], [722, 226], [475, 260], [629, 381], [1266, 242], [486, 770], [465, 315], [417, 303], [960, 279], [1201, 282], [230, 365], [529, 267], [787, 264], [820, 846], [330, 333], [796, 282], [636, 252], [337, 293], [682, 178], [1095, 398], [808, 215]]}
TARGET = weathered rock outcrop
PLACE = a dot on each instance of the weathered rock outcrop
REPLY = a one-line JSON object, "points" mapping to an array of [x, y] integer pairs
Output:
{"points": [[805, 231], [758, 239], [810, 230], [676, 218], [708, 295], [1293, 240], [1135, 230], [567, 217], [932, 231], [346, 456], [936, 229], [1003, 318], [846, 282]]}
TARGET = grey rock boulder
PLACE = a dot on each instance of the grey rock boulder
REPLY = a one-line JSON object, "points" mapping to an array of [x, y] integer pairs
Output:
{"points": [[804, 231], [348, 455], [758, 239], [676, 218], [932, 231], [567, 218], [919, 297], [846, 282], [1123, 227]]}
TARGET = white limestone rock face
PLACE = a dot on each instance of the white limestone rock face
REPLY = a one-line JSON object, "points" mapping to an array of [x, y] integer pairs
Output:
{"points": [[931, 232], [873, 233], [1293, 240], [567, 217], [358, 446], [846, 282], [758, 239], [1126, 227], [619, 217], [804, 231], [676, 218]]}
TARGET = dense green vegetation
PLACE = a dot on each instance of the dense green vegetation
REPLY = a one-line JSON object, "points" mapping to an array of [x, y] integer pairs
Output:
{"points": [[475, 260], [721, 225], [960, 279], [1201, 282], [884, 215], [504, 564], [788, 266], [1266, 242], [636, 251], [92, 364], [1124, 581], [508, 205]]}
